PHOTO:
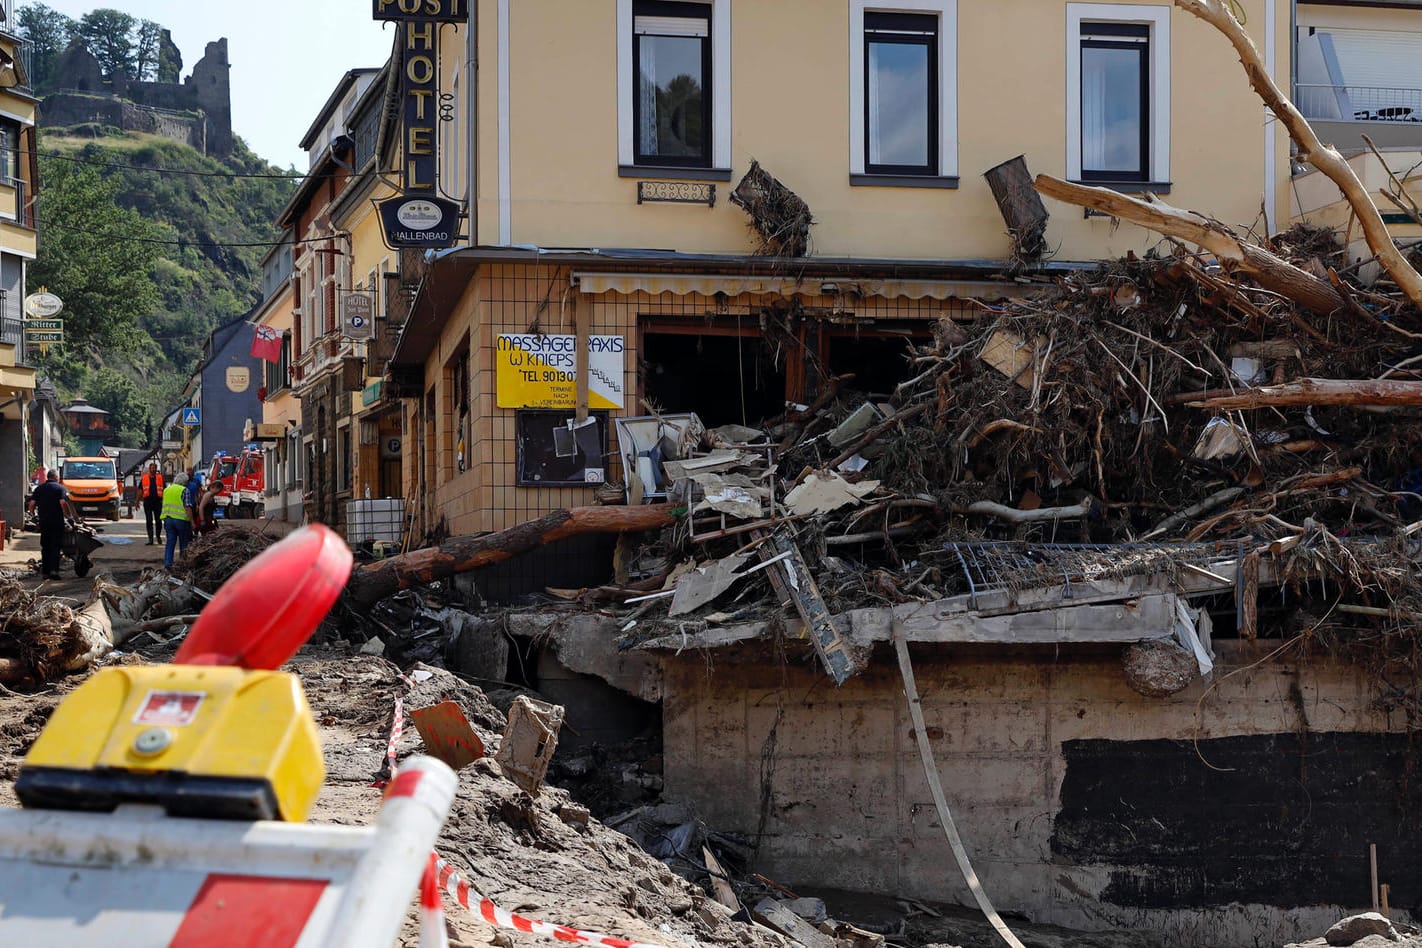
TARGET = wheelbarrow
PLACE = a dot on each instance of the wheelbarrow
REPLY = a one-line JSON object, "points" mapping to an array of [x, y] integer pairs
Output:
{"points": [[79, 541]]}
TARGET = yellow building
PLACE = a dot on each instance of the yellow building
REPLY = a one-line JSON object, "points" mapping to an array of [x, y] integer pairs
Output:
{"points": [[279, 431], [327, 362], [18, 175], [601, 214]]}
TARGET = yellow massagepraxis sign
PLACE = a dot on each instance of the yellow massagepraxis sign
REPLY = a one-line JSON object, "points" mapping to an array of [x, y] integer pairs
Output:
{"points": [[539, 371]]}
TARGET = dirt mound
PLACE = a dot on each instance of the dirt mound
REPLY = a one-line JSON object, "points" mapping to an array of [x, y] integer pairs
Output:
{"points": [[537, 856]]}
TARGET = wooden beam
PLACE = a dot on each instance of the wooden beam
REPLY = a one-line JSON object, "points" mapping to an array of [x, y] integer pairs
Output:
{"points": [[375, 581], [1273, 273], [1317, 392]]}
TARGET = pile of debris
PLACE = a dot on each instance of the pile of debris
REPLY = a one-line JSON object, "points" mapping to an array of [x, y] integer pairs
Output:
{"points": [[212, 558], [43, 638], [1145, 417]]}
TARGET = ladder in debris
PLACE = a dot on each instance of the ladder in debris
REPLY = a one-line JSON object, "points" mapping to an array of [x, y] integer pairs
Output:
{"points": [[791, 579]]}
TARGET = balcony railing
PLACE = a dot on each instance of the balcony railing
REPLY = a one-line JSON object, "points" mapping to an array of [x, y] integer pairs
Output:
{"points": [[25, 53], [12, 331], [1358, 103]]}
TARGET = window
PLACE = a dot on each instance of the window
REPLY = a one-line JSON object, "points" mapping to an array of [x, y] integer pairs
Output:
{"points": [[673, 86], [900, 93], [278, 374], [343, 462], [1118, 93], [9, 151], [671, 53], [903, 93], [1115, 101]]}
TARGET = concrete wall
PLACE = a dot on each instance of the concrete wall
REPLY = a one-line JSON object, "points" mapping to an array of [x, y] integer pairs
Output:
{"points": [[62, 108], [848, 805]]}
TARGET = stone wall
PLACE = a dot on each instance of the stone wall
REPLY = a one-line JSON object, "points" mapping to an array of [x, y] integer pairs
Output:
{"points": [[64, 109], [1082, 803], [87, 96]]}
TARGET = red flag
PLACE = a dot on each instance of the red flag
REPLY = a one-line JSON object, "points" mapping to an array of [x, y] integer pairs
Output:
{"points": [[266, 344]]}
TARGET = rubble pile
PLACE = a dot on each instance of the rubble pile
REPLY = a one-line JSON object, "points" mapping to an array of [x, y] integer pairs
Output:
{"points": [[42, 637], [1145, 415], [212, 558]]}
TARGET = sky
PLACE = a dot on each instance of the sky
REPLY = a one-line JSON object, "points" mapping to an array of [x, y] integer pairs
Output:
{"points": [[287, 56]]}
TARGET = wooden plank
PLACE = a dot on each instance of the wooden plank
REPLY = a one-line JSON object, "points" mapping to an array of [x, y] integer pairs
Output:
{"points": [[720, 888], [772, 914]]}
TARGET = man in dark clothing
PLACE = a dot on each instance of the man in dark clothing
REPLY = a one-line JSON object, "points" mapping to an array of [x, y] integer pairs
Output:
{"points": [[51, 501], [150, 490]]}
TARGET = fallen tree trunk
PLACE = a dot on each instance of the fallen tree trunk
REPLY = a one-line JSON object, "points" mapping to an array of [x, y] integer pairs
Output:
{"points": [[1273, 273], [1317, 392], [375, 581]]}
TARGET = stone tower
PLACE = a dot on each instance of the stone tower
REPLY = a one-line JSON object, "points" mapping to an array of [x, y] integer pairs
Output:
{"points": [[211, 84]]}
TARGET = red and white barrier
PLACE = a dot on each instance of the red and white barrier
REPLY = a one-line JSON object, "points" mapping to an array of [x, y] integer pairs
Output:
{"points": [[469, 897], [432, 931]]}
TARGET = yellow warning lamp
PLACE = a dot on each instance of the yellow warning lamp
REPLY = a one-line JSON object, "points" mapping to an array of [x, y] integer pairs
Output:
{"points": [[219, 733]]}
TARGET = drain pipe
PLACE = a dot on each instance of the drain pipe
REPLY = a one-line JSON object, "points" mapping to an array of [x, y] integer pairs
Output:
{"points": [[930, 770]]}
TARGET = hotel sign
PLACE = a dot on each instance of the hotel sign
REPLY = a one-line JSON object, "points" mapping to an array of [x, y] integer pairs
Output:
{"points": [[419, 217], [429, 11]]}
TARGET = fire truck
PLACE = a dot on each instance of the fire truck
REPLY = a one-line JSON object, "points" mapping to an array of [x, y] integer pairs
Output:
{"points": [[243, 482]]}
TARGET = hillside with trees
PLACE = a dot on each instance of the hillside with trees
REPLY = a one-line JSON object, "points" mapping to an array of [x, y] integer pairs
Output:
{"points": [[121, 42], [150, 243]]}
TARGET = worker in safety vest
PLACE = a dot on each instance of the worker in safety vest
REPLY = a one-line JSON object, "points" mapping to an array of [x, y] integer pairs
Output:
{"points": [[177, 519], [150, 491]]}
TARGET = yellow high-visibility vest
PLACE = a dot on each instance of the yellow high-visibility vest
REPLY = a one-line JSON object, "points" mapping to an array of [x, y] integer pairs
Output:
{"points": [[173, 503]]}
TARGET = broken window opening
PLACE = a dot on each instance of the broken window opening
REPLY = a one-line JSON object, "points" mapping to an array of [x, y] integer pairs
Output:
{"points": [[877, 356], [723, 374]]}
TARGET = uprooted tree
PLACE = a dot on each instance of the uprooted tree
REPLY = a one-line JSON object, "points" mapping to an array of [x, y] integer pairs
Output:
{"points": [[1315, 294]]}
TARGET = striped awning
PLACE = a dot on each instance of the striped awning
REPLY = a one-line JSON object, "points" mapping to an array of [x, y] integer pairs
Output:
{"points": [[709, 284]]}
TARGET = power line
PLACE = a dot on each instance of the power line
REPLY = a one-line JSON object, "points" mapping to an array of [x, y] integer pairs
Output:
{"points": [[182, 243], [154, 169]]}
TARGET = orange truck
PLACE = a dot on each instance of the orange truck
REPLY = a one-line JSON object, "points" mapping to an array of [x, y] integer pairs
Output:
{"points": [[241, 481], [93, 485]]}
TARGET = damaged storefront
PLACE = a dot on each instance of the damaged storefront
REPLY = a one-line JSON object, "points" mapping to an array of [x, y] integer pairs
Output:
{"points": [[1136, 536]]}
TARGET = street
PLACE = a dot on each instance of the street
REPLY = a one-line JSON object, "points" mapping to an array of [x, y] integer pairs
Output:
{"points": [[123, 556]]}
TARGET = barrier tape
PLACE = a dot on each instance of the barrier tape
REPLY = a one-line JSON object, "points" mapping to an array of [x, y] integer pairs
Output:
{"points": [[396, 730], [463, 893], [433, 933]]}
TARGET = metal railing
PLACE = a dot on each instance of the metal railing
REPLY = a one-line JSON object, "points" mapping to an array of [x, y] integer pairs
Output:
{"points": [[1358, 103], [25, 53], [12, 331]]}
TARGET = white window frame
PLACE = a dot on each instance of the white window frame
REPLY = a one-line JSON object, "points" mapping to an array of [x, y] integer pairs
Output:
{"points": [[947, 13], [1157, 18], [720, 88]]}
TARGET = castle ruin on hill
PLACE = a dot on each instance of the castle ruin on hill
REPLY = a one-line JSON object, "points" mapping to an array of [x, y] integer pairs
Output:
{"points": [[196, 111]]}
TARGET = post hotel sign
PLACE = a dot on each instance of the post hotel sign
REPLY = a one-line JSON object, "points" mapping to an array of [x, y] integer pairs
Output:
{"points": [[418, 216], [428, 11]]}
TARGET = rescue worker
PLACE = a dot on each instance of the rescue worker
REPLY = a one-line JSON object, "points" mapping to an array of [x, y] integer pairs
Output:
{"points": [[177, 519], [150, 491], [51, 502], [192, 497]]}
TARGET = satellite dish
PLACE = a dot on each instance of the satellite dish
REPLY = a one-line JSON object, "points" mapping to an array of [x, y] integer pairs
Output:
{"points": [[43, 305]]}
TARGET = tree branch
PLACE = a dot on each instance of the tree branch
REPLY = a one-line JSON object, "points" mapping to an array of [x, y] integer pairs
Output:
{"points": [[1325, 158]]}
